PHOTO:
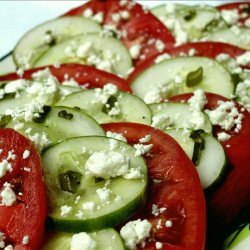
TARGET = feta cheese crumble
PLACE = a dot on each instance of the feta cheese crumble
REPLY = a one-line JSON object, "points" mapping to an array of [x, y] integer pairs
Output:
{"points": [[135, 233], [65, 210], [26, 154], [82, 241], [8, 195]]}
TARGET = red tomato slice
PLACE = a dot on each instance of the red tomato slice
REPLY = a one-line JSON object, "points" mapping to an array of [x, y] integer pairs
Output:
{"points": [[241, 7], [174, 184], [27, 216], [82, 74], [140, 26], [233, 195], [206, 49]]}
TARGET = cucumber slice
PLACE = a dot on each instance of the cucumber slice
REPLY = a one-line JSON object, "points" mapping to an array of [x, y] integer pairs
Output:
{"points": [[62, 123], [236, 36], [7, 64], [33, 44], [239, 240], [132, 109], [178, 114], [127, 195], [173, 74], [212, 162], [184, 141], [105, 239], [104, 52]]}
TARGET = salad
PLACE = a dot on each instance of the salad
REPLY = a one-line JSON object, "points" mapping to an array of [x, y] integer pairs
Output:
{"points": [[124, 127]]}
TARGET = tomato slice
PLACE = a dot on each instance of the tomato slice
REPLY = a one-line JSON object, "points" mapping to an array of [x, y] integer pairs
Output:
{"points": [[174, 184], [206, 49], [27, 216], [140, 27], [243, 9], [82, 74], [232, 196]]}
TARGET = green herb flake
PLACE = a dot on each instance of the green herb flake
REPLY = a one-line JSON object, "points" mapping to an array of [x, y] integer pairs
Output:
{"points": [[65, 115], [42, 115], [194, 78], [190, 15], [109, 105], [199, 145], [4, 120], [70, 181], [236, 79]]}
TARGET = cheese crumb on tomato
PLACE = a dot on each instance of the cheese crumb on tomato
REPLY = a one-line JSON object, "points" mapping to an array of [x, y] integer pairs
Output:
{"points": [[9, 247], [25, 240], [107, 164], [135, 233], [88, 13], [162, 58], [2, 240], [160, 46], [142, 149], [26, 154], [158, 245], [65, 210], [145, 139], [168, 223], [82, 241], [135, 51], [156, 94], [8, 195], [244, 59], [156, 211], [116, 136], [243, 93], [222, 136], [230, 16], [5, 166]]}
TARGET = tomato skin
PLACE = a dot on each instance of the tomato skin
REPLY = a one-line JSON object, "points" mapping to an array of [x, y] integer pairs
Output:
{"points": [[139, 28], [233, 195], [80, 73], [206, 49], [235, 6], [179, 189], [27, 216]]}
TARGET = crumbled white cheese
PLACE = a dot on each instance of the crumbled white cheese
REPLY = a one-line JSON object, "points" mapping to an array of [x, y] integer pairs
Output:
{"points": [[156, 94], [181, 36], [244, 59], [48, 38], [158, 245], [2, 239], [168, 223], [65, 210], [145, 139], [116, 136], [160, 46], [104, 194], [170, 8], [98, 17], [243, 93], [5, 166], [162, 58], [25, 240], [9, 247], [124, 14], [84, 49], [102, 95], [135, 233], [135, 51], [161, 121], [230, 16], [90, 205], [141, 149], [116, 17], [197, 101], [107, 164], [226, 115], [156, 211], [88, 13], [8, 195], [26, 154], [82, 241], [222, 136], [40, 140]]}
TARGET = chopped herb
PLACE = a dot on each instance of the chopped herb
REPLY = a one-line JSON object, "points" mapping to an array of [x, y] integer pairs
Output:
{"points": [[4, 120], [109, 105], [194, 77], [42, 115], [211, 25], [98, 179], [77, 108], [64, 114], [246, 9], [9, 95], [70, 181], [190, 15], [236, 79], [199, 145]]}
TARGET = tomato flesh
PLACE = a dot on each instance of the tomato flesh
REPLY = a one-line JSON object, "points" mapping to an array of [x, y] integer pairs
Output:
{"points": [[174, 184], [206, 49], [27, 216], [82, 74]]}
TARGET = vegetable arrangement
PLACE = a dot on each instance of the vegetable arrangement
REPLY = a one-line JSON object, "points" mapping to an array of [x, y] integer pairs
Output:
{"points": [[128, 128]]}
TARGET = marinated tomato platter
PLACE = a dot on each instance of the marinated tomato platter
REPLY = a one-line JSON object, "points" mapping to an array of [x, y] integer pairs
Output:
{"points": [[124, 127]]}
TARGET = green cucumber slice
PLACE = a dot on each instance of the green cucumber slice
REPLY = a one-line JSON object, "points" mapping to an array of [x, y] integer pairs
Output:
{"points": [[168, 78], [132, 109], [106, 53], [184, 141], [235, 35], [105, 239], [239, 240], [62, 123], [33, 44], [70, 156], [212, 162], [178, 115], [7, 64]]}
